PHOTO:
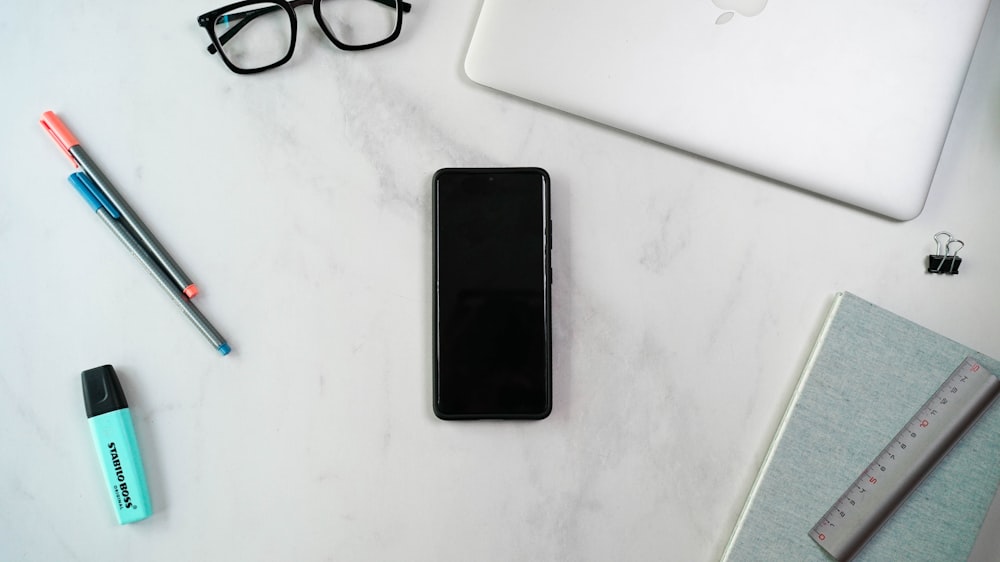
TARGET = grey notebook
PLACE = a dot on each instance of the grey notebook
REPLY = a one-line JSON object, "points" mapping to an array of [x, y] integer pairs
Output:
{"points": [[868, 374]]}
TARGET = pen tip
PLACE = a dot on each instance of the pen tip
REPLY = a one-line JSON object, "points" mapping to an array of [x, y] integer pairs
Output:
{"points": [[225, 349]]}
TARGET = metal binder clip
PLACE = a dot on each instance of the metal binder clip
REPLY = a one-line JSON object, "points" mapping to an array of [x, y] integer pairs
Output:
{"points": [[946, 259]]}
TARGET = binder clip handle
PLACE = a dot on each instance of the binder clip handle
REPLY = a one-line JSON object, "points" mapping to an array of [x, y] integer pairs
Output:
{"points": [[942, 239]]}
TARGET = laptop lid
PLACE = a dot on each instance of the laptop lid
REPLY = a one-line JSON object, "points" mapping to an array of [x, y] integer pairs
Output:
{"points": [[850, 99]]}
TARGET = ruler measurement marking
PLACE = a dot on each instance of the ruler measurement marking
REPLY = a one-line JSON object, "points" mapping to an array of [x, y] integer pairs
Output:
{"points": [[909, 456]]}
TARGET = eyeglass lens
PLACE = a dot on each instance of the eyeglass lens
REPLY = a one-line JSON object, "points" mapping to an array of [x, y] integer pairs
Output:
{"points": [[256, 35], [359, 22], [260, 34]]}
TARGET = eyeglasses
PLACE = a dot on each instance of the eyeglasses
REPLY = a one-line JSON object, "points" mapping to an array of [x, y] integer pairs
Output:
{"points": [[253, 36]]}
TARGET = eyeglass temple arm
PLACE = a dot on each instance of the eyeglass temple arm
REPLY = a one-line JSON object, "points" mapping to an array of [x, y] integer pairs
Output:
{"points": [[249, 16]]}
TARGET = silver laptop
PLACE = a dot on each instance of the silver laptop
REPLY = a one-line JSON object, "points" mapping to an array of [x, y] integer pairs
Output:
{"points": [[851, 99]]}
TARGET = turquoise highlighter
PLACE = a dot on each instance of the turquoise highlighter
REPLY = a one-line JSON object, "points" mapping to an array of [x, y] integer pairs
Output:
{"points": [[114, 438]]}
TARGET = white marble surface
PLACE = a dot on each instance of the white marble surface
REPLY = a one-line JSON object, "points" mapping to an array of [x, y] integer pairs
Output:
{"points": [[686, 298]]}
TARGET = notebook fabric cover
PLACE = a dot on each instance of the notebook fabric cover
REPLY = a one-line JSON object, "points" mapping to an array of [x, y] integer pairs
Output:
{"points": [[868, 374]]}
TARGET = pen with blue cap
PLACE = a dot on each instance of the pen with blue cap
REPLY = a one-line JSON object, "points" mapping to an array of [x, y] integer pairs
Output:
{"points": [[110, 215]]}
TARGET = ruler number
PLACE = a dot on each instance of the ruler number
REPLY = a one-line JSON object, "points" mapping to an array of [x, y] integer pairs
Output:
{"points": [[974, 368]]}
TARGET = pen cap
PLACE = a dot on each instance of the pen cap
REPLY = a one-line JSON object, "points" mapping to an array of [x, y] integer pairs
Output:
{"points": [[61, 134], [102, 393]]}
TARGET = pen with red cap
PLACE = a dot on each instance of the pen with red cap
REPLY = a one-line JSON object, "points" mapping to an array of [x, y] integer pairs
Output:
{"points": [[70, 146]]}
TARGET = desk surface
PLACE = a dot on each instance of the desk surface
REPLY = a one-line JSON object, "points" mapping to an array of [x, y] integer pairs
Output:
{"points": [[686, 298]]}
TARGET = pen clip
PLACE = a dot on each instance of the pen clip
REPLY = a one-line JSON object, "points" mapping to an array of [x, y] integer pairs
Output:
{"points": [[63, 138], [94, 197]]}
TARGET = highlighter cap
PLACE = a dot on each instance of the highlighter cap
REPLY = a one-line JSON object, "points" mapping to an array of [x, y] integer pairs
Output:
{"points": [[102, 393]]}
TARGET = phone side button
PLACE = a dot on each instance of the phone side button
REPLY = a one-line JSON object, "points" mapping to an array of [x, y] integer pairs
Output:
{"points": [[550, 275]]}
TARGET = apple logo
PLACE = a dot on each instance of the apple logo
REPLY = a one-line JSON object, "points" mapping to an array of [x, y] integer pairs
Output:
{"points": [[747, 8]]}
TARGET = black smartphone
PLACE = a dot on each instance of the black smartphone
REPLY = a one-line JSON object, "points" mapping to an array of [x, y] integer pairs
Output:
{"points": [[492, 293]]}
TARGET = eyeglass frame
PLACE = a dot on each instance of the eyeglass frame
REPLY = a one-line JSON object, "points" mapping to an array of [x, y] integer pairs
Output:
{"points": [[207, 21]]}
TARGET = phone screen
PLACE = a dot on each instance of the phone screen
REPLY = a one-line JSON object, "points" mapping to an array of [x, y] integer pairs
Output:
{"points": [[492, 348]]}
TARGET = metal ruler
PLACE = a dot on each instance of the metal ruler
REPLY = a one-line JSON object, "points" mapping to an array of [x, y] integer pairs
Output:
{"points": [[906, 460]]}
